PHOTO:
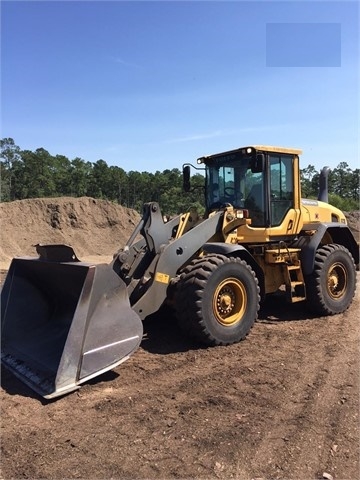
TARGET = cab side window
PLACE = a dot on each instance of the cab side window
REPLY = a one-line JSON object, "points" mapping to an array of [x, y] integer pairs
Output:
{"points": [[281, 187], [254, 198]]}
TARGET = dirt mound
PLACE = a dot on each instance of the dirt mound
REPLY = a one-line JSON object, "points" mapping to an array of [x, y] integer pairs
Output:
{"points": [[353, 219], [92, 227]]}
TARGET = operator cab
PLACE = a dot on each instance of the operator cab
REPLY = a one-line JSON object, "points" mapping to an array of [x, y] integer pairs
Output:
{"points": [[259, 179]]}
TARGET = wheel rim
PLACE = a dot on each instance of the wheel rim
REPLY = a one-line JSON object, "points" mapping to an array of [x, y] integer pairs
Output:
{"points": [[337, 281], [229, 302]]}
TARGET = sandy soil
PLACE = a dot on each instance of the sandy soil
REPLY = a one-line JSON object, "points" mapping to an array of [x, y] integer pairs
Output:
{"points": [[95, 228], [283, 404]]}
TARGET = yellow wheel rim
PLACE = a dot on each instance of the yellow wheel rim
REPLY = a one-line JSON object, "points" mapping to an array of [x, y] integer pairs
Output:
{"points": [[337, 281], [229, 302]]}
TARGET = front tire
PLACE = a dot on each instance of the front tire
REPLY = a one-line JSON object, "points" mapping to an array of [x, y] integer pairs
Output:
{"points": [[217, 299], [331, 287]]}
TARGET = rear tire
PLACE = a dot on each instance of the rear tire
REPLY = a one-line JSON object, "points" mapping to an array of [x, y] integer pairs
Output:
{"points": [[217, 299], [331, 287]]}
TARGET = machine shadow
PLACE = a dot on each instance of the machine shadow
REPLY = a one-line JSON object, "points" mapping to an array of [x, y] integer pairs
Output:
{"points": [[162, 335], [13, 386], [276, 309]]}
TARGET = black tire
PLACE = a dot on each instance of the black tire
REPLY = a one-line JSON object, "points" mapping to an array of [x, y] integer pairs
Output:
{"points": [[331, 287], [217, 299]]}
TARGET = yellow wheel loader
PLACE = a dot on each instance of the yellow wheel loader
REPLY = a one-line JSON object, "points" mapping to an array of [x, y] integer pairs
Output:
{"points": [[65, 321]]}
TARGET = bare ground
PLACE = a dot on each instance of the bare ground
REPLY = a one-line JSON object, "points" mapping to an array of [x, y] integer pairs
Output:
{"points": [[283, 404]]}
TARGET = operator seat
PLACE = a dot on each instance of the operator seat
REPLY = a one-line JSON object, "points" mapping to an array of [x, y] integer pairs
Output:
{"points": [[254, 202]]}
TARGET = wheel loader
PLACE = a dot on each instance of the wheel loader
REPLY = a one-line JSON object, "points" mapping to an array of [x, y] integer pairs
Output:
{"points": [[65, 321]]}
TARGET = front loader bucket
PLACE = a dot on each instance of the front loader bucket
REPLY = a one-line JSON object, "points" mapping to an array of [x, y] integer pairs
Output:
{"points": [[64, 322]]}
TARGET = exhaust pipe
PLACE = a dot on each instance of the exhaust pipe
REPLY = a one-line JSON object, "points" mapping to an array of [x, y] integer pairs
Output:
{"points": [[323, 185]]}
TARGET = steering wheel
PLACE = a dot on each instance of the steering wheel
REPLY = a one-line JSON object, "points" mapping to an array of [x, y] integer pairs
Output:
{"points": [[219, 205], [229, 192]]}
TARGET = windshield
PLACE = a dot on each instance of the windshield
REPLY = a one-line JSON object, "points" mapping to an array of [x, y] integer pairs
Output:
{"points": [[229, 181]]}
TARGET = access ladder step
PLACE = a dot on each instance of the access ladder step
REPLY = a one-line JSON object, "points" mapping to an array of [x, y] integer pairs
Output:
{"points": [[295, 284]]}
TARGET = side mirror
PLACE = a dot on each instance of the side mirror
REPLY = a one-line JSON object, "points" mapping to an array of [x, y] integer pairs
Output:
{"points": [[186, 178], [257, 163]]}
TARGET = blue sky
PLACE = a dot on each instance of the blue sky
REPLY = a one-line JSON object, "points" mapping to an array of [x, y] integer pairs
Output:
{"points": [[150, 85]]}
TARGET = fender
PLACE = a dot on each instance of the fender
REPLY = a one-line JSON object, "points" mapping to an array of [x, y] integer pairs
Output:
{"points": [[309, 242], [241, 252]]}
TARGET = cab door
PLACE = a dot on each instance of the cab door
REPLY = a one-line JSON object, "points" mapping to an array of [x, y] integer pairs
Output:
{"points": [[284, 215]]}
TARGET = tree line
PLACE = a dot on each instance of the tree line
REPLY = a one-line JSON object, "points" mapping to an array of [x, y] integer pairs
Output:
{"points": [[36, 174]]}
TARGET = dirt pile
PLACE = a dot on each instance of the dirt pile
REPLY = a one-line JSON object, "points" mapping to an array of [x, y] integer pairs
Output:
{"points": [[92, 227], [353, 219]]}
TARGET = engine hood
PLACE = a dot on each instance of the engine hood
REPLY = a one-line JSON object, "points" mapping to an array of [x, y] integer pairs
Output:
{"points": [[317, 211]]}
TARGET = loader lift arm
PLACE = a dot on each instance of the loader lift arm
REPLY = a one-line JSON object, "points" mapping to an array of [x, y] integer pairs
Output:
{"points": [[149, 264]]}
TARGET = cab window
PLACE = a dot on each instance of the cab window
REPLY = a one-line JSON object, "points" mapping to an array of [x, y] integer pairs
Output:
{"points": [[281, 187]]}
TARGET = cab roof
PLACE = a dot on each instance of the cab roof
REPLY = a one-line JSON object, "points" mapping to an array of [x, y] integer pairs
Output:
{"points": [[270, 148], [259, 148]]}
